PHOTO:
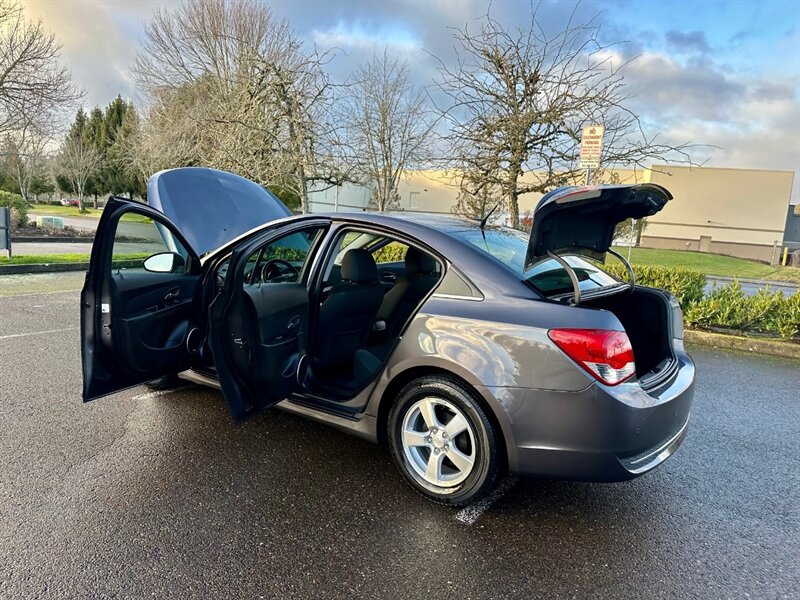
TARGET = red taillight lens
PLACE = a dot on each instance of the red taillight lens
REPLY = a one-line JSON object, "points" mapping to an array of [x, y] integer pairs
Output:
{"points": [[606, 355]]}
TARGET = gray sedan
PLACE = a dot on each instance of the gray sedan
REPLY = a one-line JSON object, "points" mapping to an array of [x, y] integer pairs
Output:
{"points": [[470, 350]]}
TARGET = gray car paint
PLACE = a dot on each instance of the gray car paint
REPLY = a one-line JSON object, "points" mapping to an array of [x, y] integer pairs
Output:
{"points": [[555, 419]]}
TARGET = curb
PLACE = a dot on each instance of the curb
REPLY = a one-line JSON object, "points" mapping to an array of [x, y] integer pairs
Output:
{"points": [[51, 240], [60, 267], [744, 344], [43, 268]]}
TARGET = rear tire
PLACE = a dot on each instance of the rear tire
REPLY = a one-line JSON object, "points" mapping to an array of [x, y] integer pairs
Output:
{"points": [[167, 382], [443, 442]]}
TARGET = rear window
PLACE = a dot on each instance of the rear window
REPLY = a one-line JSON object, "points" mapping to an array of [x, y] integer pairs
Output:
{"points": [[510, 246]]}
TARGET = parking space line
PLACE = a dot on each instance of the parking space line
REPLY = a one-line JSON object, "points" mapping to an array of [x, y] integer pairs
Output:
{"points": [[157, 393], [469, 514], [19, 335], [4, 296]]}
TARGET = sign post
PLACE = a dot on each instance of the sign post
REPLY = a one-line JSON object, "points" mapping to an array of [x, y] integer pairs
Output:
{"points": [[5, 231], [591, 148]]}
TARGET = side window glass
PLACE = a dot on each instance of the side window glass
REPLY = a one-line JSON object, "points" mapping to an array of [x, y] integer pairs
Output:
{"points": [[142, 244], [283, 260]]}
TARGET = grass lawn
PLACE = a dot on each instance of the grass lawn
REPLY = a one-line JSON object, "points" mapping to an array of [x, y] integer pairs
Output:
{"points": [[52, 210], [45, 259], [65, 211], [711, 264]]}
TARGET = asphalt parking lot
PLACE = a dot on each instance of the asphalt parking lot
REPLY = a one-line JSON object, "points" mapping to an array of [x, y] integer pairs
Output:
{"points": [[160, 495]]}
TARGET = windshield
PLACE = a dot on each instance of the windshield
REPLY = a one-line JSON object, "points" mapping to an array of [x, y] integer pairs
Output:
{"points": [[510, 246]]}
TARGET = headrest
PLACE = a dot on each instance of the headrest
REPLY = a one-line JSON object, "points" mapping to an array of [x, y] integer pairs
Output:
{"points": [[419, 263], [359, 266]]}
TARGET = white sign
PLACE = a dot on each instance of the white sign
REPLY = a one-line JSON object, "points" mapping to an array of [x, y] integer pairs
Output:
{"points": [[591, 146]]}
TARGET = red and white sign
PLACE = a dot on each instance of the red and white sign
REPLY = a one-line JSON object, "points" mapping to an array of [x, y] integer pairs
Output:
{"points": [[591, 146]]}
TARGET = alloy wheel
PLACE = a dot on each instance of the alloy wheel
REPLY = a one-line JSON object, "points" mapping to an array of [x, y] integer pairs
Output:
{"points": [[438, 442]]}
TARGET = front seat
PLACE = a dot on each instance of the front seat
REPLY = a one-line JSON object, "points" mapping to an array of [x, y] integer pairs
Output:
{"points": [[348, 313], [410, 289]]}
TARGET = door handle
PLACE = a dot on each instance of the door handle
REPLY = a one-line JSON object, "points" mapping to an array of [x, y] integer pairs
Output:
{"points": [[294, 323], [389, 276], [172, 295]]}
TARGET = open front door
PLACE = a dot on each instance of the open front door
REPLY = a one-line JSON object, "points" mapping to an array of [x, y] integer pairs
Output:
{"points": [[139, 302], [259, 319]]}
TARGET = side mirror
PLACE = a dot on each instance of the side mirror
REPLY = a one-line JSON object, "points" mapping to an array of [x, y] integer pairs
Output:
{"points": [[164, 262]]}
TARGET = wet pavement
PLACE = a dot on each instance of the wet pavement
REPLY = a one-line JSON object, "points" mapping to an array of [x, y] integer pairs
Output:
{"points": [[159, 494]]}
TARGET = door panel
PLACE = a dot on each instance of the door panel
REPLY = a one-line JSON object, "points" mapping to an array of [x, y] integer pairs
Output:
{"points": [[259, 330], [134, 322], [389, 272]]}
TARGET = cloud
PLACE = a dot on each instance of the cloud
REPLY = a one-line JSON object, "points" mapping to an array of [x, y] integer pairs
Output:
{"points": [[692, 41], [96, 44], [371, 36], [753, 121], [663, 86]]}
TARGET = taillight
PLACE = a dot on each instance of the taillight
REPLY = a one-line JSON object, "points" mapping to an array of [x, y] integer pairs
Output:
{"points": [[606, 355]]}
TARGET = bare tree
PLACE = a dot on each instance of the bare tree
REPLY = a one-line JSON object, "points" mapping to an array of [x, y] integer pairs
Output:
{"points": [[388, 127], [477, 195], [235, 88], [25, 148], [32, 81], [79, 160], [519, 97]]}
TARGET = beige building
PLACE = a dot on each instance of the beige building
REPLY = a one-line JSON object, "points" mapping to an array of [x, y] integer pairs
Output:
{"points": [[738, 212]]}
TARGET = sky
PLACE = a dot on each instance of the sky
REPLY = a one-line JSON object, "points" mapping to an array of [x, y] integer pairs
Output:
{"points": [[725, 74]]}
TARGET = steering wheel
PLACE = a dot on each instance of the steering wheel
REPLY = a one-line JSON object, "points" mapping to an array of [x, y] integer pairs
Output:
{"points": [[277, 267]]}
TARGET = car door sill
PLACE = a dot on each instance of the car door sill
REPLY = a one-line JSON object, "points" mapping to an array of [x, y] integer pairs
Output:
{"points": [[363, 426]]}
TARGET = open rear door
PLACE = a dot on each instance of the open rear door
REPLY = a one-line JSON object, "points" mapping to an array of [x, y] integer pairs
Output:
{"points": [[139, 302], [259, 320], [581, 220]]}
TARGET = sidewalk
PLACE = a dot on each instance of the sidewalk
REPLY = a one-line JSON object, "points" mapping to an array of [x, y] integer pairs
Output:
{"points": [[751, 286]]}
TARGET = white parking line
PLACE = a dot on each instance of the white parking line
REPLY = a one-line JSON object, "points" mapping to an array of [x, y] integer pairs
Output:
{"points": [[157, 393], [469, 514], [3, 295], [19, 335]]}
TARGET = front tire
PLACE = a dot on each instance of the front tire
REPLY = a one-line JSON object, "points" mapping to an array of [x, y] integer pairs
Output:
{"points": [[443, 442]]}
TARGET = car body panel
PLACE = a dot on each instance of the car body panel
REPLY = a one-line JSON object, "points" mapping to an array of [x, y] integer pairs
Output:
{"points": [[582, 219], [212, 207], [588, 434]]}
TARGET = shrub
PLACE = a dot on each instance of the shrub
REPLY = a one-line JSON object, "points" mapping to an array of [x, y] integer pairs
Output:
{"points": [[18, 206], [391, 252], [766, 312], [686, 285]]}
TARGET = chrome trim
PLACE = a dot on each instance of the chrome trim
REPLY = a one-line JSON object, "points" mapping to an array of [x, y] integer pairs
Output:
{"points": [[576, 286], [659, 455], [456, 297]]}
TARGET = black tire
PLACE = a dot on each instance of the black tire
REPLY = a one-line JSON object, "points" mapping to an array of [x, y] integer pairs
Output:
{"points": [[488, 462], [167, 382]]}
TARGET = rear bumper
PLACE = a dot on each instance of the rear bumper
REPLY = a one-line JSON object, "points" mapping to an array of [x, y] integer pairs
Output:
{"points": [[600, 433]]}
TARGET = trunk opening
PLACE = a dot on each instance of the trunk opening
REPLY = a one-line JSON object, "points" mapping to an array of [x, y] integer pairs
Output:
{"points": [[647, 315]]}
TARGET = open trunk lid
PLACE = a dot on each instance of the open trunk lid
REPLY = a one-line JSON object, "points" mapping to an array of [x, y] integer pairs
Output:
{"points": [[581, 220], [211, 207]]}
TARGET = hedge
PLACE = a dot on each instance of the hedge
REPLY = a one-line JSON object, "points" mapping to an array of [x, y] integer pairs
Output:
{"points": [[19, 208], [686, 285], [729, 307]]}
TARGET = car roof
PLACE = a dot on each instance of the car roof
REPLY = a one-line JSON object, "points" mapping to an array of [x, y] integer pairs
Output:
{"points": [[448, 224]]}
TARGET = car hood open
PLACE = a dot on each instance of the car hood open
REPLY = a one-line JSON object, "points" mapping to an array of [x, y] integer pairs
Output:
{"points": [[581, 220], [212, 207]]}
